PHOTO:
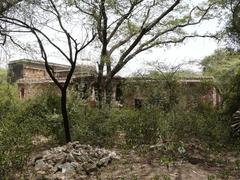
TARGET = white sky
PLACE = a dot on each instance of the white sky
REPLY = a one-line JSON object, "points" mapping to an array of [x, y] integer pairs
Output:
{"points": [[194, 49], [191, 50]]}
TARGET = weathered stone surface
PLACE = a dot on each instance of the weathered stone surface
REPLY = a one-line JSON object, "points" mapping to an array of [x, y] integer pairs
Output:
{"points": [[70, 161]]}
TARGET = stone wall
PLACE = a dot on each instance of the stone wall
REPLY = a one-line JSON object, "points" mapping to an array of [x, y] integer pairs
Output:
{"points": [[32, 79], [34, 73], [192, 90], [27, 90]]}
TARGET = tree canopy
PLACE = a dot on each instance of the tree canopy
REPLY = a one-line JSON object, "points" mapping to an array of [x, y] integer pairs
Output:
{"points": [[222, 64], [233, 26], [127, 28], [7, 4], [46, 23]]}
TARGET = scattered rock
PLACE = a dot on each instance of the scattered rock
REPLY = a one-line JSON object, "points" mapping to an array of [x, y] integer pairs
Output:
{"points": [[39, 139], [70, 161]]}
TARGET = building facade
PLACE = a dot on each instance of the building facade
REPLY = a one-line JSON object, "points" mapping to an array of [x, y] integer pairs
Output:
{"points": [[32, 78]]}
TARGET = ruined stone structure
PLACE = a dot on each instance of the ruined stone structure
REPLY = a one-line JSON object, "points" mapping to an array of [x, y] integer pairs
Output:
{"points": [[32, 78], [194, 90]]}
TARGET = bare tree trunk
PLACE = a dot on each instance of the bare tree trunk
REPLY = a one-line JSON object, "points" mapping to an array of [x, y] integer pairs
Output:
{"points": [[108, 89], [65, 115], [100, 86], [108, 85]]}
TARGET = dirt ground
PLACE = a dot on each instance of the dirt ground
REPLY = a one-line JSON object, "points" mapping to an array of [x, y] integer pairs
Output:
{"points": [[197, 164], [133, 166]]}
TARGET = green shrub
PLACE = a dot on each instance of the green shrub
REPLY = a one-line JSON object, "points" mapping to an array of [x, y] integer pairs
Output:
{"points": [[9, 102], [14, 137], [39, 114], [141, 126], [91, 125], [15, 145], [19, 123], [207, 125]]}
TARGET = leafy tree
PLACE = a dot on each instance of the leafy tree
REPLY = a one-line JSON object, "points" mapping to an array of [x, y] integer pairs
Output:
{"points": [[224, 65], [3, 76], [167, 75], [127, 28], [224, 62], [43, 21], [233, 26], [7, 4], [4, 7]]}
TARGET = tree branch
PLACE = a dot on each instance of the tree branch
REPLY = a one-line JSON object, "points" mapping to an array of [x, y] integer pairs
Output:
{"points": [[147, 29], [128, 58], [122, 19]]}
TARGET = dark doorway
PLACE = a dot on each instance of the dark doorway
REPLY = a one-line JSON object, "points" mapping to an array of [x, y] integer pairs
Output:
{"points": [[119, 93], [22, 93], [138, 103]]}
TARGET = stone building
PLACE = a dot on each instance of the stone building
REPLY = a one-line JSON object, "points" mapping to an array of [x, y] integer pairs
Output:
{"points": [[194, 90], [32, 78]]}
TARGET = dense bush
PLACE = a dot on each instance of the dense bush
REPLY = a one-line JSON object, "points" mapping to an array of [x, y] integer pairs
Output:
{"points": [[140, 126], [149, 126], [14, 138], [15, 145], [9, 102], [91, 125], [208, 126], [20, 122]]}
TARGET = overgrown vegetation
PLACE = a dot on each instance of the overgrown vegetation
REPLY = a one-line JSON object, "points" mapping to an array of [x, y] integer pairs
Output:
{"points": [[186, 120]]}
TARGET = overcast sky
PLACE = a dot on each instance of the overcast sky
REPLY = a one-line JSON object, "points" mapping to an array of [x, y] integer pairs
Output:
{"points": [[191, 50], [194, 49]]}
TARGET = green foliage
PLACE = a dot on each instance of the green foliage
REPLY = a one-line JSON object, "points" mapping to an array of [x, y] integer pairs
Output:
{"points": [[40, 113], [3, 76], [232, 28], [20, 122], [148, 125], [166, 91], [223, 64], [151, 125], [204, 124], [15, 145], [155, 90], [141, 127], [9, 102], [91, 125], [14, 136], [232, 98]]}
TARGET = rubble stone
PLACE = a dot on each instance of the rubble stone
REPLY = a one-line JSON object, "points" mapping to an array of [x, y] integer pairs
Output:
{"points": [[70, 161]]}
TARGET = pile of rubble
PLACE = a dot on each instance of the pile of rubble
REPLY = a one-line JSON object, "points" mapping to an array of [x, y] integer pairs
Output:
{"points": [[71, 161]]}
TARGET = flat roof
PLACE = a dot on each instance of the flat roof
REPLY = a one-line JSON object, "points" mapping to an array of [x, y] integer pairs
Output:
{"points": [[37, 62]]}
